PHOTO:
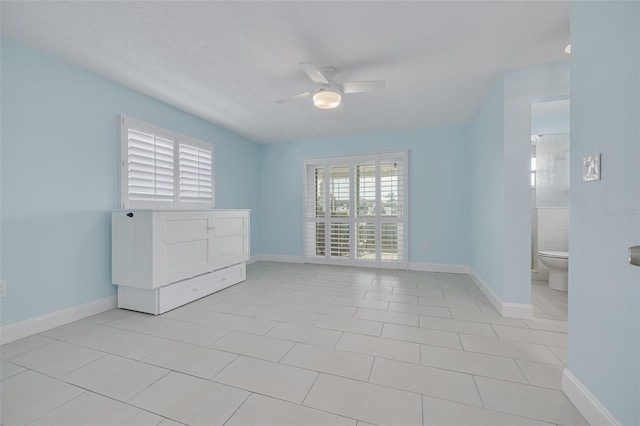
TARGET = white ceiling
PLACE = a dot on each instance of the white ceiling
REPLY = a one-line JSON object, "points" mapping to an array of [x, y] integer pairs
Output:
{"points": [[228, 61]]}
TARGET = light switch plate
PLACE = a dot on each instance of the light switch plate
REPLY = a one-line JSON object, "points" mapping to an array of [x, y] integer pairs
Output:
{"points": [[591, 168]]}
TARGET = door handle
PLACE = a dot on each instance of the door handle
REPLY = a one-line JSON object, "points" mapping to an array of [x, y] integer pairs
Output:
{"points": [[634, 255]]}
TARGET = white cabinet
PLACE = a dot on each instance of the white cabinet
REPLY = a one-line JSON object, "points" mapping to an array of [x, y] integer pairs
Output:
{"points": [[164, 259]]}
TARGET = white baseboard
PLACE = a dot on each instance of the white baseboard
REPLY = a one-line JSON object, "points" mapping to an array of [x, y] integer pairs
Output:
{"points": [[280, 258], [486, 290], [506, 309], [588, 405], [540, 275], [412, 266], [517, 310], [45, 322], [439, 267]]}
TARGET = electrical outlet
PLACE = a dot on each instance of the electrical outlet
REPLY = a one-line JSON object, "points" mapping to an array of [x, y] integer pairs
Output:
{"points": [[3, 288], [425, 247]]}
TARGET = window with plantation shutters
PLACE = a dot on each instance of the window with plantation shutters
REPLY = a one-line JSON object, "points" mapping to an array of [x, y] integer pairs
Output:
{"points": [[195, 169], [149, 167], [164, 170], [356, 210]]}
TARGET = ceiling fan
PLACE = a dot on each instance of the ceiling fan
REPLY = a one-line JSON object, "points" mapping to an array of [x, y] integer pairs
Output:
{"points": [[328, 95]]}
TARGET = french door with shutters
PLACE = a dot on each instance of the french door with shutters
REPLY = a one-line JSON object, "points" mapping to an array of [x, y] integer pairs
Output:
{"points": [[355, 210]]}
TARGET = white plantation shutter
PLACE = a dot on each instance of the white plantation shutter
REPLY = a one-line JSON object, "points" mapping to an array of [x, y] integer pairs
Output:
{"points": [[340, 210], [366, 191], [355, 210], [315, 210], [393, 201], [195, 165], [149, 167], [162, 169]]}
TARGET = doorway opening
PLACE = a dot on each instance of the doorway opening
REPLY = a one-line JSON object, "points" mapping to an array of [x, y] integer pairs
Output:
{"points": [[550, 143]]}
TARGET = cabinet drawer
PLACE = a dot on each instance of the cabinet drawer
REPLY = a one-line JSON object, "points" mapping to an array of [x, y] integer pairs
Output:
{"points": [[180, 293]]}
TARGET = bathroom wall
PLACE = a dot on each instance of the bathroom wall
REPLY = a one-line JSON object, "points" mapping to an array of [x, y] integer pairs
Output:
{"points": [[552, 196], [552, 173], [553, 233], [553, 225]]}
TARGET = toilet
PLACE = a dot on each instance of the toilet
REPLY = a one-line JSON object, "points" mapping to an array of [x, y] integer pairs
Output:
{"points": [[558, 264]]}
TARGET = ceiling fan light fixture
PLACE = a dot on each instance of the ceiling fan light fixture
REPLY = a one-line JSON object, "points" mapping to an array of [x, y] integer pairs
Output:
{"points": [[327, 99]]}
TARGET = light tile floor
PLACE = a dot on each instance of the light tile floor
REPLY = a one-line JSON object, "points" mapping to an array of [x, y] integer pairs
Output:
{"points": [[298, 345], [547, 302]]}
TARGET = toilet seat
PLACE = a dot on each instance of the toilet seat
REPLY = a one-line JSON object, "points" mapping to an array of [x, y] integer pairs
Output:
{"points": [[554, 254]]}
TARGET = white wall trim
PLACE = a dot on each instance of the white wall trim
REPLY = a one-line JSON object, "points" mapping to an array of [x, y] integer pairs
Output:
{"points": [[486, 290], [588, 405], [506, 309], [412, 266], [517, 310], [41, 323], [439, 267], [281, 258]]}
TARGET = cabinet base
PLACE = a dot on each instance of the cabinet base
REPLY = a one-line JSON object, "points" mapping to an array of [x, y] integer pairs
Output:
{"points": [[163, 299]]}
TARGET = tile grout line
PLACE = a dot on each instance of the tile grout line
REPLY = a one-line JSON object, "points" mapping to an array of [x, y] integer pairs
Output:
{"points": [[494, 331], [371, 368], [422, 408], [306, 395], [287, 353], [238, 408], [169, 371], [461, 344], [63, 403], [338, 341], [473, 376]]}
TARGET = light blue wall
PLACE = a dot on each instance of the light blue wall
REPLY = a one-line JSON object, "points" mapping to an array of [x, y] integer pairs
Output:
{"points": [[554, 122], [60, 147], [501, 248], [549, 125], [487, 204], [604, 301], [438, 189]]}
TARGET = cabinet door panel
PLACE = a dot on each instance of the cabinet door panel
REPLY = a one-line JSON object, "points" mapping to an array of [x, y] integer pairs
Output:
{"points": [[230, 243], [184, 246]]}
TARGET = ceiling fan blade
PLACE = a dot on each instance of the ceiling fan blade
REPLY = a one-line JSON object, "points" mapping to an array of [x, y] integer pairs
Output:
{"points": [[363, 86], [294, 97], [314, 74]]}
